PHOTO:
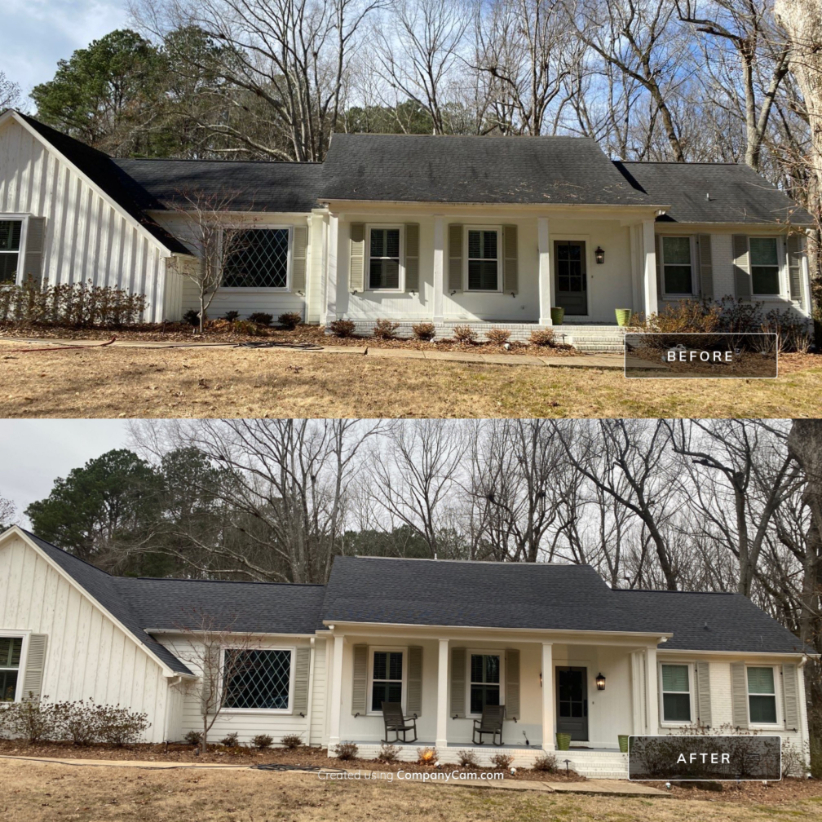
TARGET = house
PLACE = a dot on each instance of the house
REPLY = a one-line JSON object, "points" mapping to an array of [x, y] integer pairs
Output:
{"points": [[449, 230], [562, 651]]}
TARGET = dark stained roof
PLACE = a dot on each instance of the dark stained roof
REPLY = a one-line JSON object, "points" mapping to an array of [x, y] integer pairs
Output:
{"points": [[714, 193], [234, 184], [413, 168]]}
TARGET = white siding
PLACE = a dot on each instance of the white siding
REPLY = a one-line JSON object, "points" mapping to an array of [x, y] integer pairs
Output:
{"points": [[87, 655], [319, 697]]}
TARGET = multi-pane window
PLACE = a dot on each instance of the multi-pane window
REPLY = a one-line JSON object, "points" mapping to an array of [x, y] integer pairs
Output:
{"points": [[10, 648], [384, 259], [257, 679], [258, 258], [386, 678], [761, 696], [483, 260], [485, 681], [676, 693], [764, 265], [10, 231], [676, 261]]}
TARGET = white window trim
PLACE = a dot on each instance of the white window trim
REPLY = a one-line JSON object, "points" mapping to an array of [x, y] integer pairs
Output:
{"points": [[684, 294], [24, 657], [781, 263], [367, 262], [238, 289], [668, 723], [372, 649], [24, 230], [466, 259], [264, 711], [777, 695], [484, 652]]}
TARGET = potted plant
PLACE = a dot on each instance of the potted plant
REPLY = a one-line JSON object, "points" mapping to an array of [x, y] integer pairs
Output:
{"points": [[563, 742], [623, 316], [557, 315], [623, 742]]}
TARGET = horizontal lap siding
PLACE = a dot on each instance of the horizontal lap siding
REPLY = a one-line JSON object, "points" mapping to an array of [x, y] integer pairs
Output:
{"points": [[318, 712], [87, 656]]}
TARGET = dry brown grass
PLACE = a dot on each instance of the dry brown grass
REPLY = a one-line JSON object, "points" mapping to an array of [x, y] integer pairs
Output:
{"points": [[229, 382]]}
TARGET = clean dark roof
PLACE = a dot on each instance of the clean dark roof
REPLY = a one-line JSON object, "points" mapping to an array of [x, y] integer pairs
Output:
{"points": [[412, 168], [235, 184], [713, 193]]}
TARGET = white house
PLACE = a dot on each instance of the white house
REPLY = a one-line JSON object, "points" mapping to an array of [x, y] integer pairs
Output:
{"points": [[451, 230], [552, 643]]}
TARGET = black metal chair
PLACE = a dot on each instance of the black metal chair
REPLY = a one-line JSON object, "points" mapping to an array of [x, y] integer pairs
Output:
{"points": [[398, 724], [490, 723]]}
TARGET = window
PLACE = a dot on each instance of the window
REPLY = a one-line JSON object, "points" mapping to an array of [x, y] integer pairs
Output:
{"points": [[10, 231], [258, 258], [258, 680], [485, 681], [676, 260], [384, 259], [676, 693], [764, 265], [761, 696], [483, 259], [386, 678], [10, 648]]}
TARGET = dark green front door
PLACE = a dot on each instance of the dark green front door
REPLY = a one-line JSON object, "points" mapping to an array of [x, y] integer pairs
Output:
{"points": [[572, 702], [571, 277]]}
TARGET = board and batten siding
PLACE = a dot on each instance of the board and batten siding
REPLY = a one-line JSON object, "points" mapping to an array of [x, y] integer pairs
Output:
{"points": [[87, 655], [86, 238]]}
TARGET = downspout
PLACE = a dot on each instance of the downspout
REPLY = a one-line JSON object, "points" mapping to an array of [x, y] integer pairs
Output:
{"points": [[311, 675]]}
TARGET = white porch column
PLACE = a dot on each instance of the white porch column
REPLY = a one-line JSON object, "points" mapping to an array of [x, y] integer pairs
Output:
{"points": [[548, 740], [336, 692], [546, 286], [637, 690], [651, 693], [649, 252], [442, 696], [439, 267], [330, 307]]}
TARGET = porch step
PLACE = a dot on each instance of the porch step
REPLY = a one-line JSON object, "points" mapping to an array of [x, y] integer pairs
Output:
{"points": [[596, 764]]}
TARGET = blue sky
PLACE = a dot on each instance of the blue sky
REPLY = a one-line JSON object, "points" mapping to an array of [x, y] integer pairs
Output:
{"points": [[35, 34]]}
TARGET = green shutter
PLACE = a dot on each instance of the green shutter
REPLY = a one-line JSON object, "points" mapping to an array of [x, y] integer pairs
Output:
{"points": [[35, 665], [510, 265], [795, 244], [703, 685], [413, 698], [356, 267], [35, 248], [455, 257], [302, 674], [458, 685], [359, 691], [299, 249], [742, 269], [790, 695], [412, 257], [512, 699], [739, 695], [706, 268]]}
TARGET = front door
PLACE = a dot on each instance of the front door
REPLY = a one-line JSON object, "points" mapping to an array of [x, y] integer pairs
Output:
{"points": [[572, 703], [571, 277]]}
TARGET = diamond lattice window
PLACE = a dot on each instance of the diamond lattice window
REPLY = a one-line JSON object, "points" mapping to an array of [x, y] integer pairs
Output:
{"points": [[259, 259], [257, 679]]}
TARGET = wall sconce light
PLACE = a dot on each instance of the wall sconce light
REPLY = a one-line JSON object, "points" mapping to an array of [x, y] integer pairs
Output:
{"points": [[599, 255], [600, 682]]}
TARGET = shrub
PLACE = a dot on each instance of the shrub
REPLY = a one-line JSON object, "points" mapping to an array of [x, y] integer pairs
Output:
{"points": [[231, 740], [424, 331], [342, 328], [30, 719], [119, 726], [261, 318], [262, 741], [291, 741], [346, 750], [467, 759], [192, 317], [542, 337], [498, 336], [193, 738], [247, 327], [388, 753], [426, 756], [231, 316], [465, 334], [546, 762], [385, 330], [502, 761], [290, 320]]}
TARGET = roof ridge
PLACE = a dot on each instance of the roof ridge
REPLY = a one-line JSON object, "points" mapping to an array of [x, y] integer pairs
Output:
{"points": [[665, 591], [685, 163], [477, 561], [215, 160], [229, 581]]}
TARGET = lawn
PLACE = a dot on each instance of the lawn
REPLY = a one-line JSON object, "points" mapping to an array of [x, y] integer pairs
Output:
{"points": [[232, 382], [43, 793]]}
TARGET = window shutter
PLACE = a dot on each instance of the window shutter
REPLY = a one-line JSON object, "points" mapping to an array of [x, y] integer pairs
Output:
{"points": [[302, 673], [412, 257], [359, 692], [739, 695], [35, 665], [458, 681], [660, 278], [413, 698], [510, 265], [790, 695], [35, 248], [356, 268], [512, 701], [742, 270], [795, 250], [706, 269], [455, 257], [703, 685], [299, 252]]}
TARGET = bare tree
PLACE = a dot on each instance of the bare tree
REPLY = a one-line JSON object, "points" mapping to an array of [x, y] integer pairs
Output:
{"points": [[8, 513], [9, 92]]}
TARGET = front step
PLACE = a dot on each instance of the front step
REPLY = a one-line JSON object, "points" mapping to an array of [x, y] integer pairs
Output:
{"points": [[596, 339], [596, 764]]}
